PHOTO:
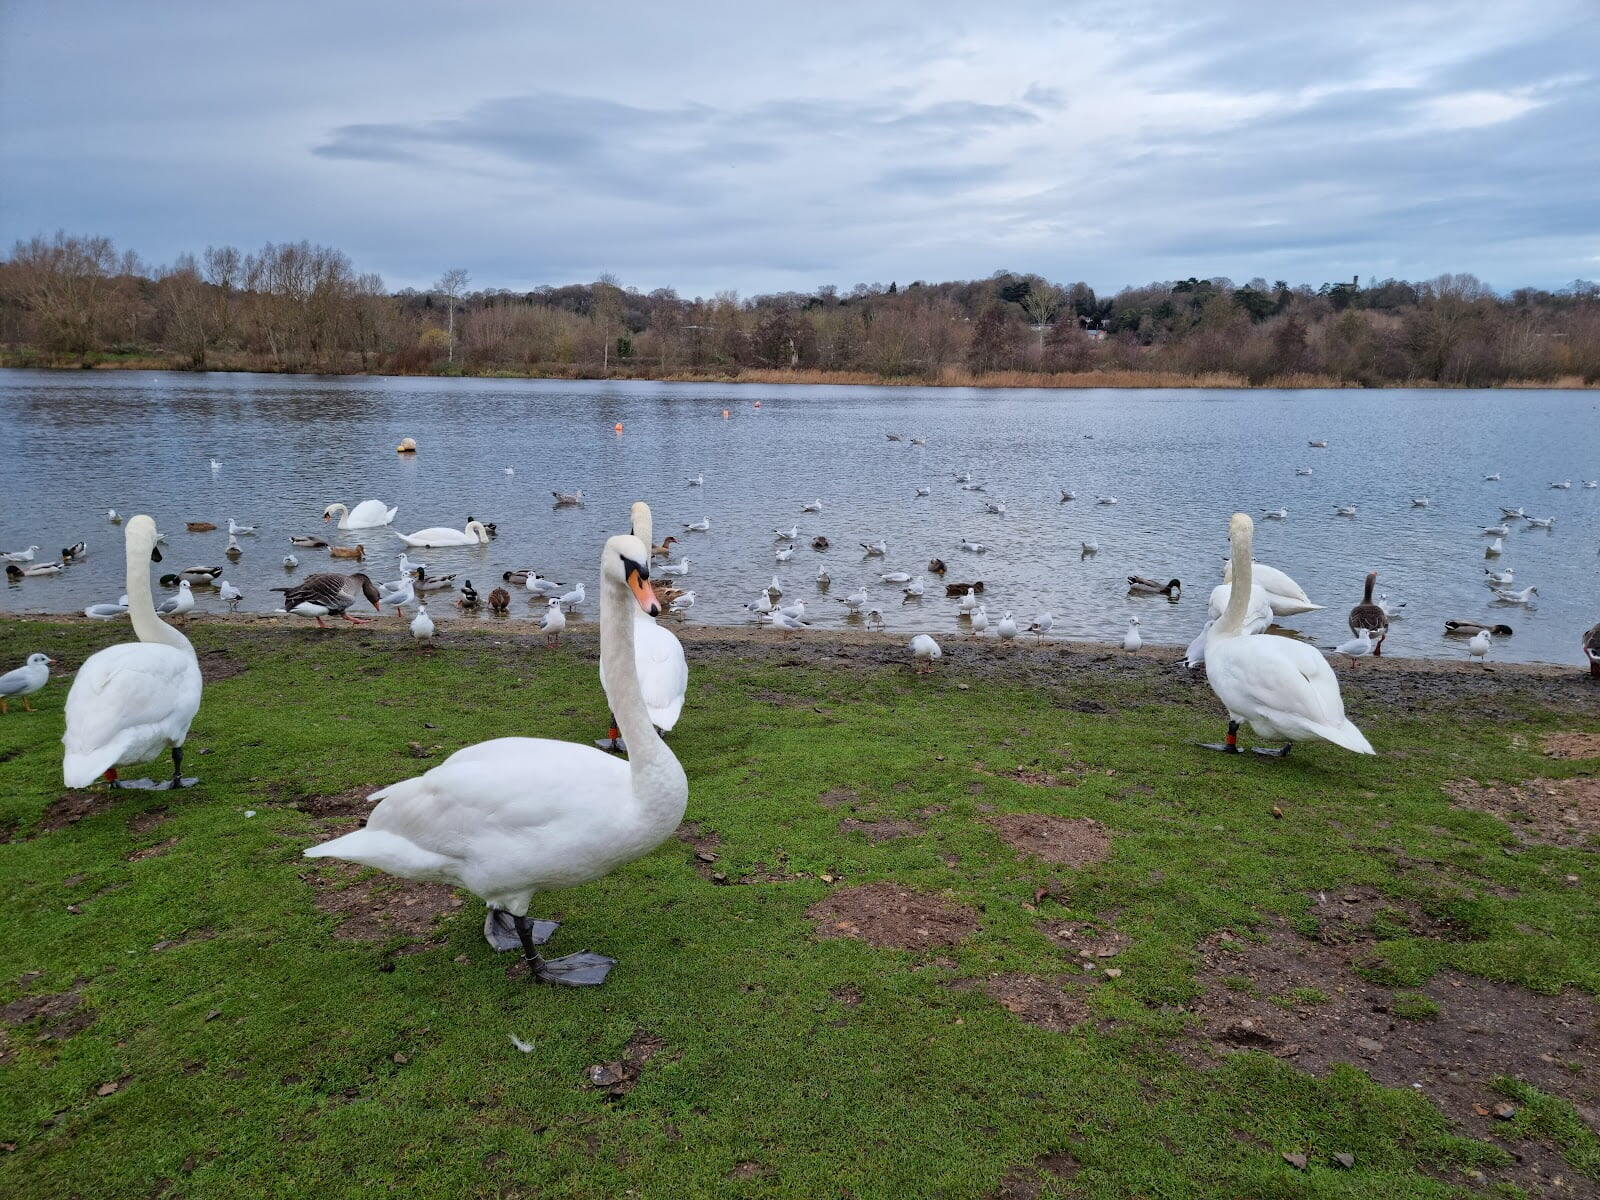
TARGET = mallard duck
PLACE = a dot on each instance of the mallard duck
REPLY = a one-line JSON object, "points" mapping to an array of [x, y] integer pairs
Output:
{"points": [[306, 542], [469, 596], [200, 576], [199, 526], [820, 543], [936, 566], [424, 582], [1138, 585], [329, 594], [499, 601], [1370, 616], [75, 553], [1591, 647], [518, 577], [961, 589], [356, 552]]}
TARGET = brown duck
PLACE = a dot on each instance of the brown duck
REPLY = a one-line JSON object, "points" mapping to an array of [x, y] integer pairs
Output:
{"points": [[1591, 650]]}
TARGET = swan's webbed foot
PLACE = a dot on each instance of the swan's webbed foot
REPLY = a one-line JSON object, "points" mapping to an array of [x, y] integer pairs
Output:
{"points": [[574, 970], [1230, 745], [500, 930], [1281, 752], [177, 781]]}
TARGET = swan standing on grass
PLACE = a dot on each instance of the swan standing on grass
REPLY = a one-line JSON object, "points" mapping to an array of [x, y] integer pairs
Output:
{"points": [[25, 681], [1282, 688], [658, 656], [369, 514], [131, 702], [438, 535], [507, 818]]}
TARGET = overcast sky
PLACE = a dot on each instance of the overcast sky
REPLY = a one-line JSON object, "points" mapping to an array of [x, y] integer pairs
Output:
{"points": [[763, 147]]}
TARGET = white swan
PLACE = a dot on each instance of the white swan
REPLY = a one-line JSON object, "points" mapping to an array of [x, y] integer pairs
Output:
{"points": [[514, 816], [438, 535], [658, 656], [1286, 596], [1282, 688], [1258, 616], [132, 701], [369, 514]]}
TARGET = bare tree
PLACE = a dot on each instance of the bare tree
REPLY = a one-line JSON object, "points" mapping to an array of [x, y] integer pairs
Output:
{"points": [[452, 284]]}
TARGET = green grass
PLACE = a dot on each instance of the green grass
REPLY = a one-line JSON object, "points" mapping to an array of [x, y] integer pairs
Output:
{"points": [[272, 1059]]}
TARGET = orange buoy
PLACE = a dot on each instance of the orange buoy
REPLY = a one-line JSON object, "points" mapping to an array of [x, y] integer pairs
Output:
{"points": [[617, 427], [758, 404], [726, 414]]}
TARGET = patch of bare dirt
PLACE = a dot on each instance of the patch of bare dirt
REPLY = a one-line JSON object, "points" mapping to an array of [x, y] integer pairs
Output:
{"points": [[1026, 1182], [748, 1170], [839, 796], [71, 807], [1035, 775], [1345, 916], [145, 821], [1070, 841], [892, 917], [217, 665], [1086, 941], [1300, 1000], [616, 1079], [154, 851], [849, 995], [879, 831], [1044, 1003], [1550, 812], [58, 1016], [1571, 745], [703, 844], [355, 802], [383, 907]]}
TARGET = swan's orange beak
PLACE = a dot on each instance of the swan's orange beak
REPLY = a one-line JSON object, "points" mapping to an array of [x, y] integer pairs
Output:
{"points": [[643, 592]]}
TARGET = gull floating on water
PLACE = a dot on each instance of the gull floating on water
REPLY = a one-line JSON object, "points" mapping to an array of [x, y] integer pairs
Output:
{"points": [[1562, 486], [974, 547], [1105, 500], [697, 480], [1421, 501], [700, 526], [1068, 494], [1090, 547], [1276, 514], [237, 530], [1513, 512], [875, 549], [1525, 596], [1322, 445], [1344, 510], [17, 556], [1304, 471], [681, 567], [1493, 549], [783, 554], [814, 506], [922, 491], [1495, 578], [1496, 531], [113, 516], [997, 507], [896, 577], [913, 590], [1495, 478], [1541, 522]]}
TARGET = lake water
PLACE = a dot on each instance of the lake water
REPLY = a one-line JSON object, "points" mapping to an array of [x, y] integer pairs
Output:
{"points": [[1178, 461]]}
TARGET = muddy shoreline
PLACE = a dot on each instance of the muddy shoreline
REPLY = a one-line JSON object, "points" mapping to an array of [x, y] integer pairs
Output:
{"points": [[1053, 663]]}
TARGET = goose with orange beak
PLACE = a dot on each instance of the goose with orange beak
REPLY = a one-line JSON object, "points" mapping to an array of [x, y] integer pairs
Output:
{"points": [[515, 816]]}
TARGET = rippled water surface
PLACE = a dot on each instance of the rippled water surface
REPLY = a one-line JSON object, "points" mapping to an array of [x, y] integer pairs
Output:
{"points": [[1178, 461]]}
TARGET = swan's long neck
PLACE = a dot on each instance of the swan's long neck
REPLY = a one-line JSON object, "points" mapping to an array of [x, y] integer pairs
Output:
{"points": [[142, 606], [1232, 621], [342, 513], [659, 784]]}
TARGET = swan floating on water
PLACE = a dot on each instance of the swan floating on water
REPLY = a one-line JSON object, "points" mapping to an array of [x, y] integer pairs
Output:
{"points": [[439, 535], [133, 701], [369, 514], [1287, 597]]}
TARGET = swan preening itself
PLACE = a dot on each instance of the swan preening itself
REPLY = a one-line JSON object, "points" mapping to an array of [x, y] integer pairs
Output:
{"points": [[438, 535], [133, 701], [369, 514], [1282, 688], [514, 816]]}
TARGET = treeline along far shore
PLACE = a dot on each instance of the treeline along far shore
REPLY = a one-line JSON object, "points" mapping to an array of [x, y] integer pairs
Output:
{"points": [[70, 300]]}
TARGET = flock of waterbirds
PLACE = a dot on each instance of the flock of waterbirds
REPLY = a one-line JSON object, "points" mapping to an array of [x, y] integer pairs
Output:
{"points": [[512, 817], [333, 594]]}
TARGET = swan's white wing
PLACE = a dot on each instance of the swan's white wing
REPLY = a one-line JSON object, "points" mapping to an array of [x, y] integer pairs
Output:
{"points": [[1284, 685], [369, 514], [662, 668], [128, 703]]}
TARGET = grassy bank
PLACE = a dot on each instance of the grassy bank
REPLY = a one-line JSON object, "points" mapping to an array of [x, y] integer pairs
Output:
{"points": [[945, 377], [1001, 932]]}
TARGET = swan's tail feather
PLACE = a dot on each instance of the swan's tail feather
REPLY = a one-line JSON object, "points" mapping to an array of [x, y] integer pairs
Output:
{"points": [[81, 768], [1347, 736], [387, 851]]}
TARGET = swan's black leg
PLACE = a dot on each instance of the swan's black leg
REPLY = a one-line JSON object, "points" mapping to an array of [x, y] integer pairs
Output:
{"points": [[613, 740], [177, 780], [1231, 745], [574, 970], [500, 930], [1281, 752]]}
